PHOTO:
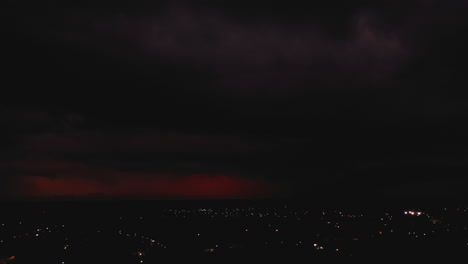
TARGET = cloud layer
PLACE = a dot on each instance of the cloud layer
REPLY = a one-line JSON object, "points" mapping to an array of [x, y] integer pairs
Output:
{"points": [[232, 99]]}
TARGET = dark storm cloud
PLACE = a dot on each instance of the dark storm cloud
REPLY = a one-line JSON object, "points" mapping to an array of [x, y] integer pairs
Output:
{"points": [[266, 54], [112, 157], [263, 52], [47, 146], [328, 97]]}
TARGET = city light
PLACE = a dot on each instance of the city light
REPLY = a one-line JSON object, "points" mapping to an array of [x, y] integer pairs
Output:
{"points": [[415, 213], [152, 240]]}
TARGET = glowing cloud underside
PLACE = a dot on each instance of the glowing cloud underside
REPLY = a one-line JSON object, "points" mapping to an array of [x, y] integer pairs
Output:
{"points": [[198, 186]]}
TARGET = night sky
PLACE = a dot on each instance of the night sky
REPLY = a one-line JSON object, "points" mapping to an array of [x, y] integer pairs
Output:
{"points": [[234, 99]]}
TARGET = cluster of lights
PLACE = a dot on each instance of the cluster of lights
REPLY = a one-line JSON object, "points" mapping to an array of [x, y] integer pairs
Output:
{"points": [[416, 213], [147, 239], [330, 217], [244, 212], [318, 247], [36, 232]]}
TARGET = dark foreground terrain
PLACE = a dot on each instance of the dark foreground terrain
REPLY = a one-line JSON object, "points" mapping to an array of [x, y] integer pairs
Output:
{"points": [[168, 232]]}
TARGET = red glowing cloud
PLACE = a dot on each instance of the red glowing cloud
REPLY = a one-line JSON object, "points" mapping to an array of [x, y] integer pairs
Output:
{"points": [[194, 186]]}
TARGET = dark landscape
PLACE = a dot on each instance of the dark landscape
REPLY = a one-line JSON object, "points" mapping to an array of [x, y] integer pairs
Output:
{"points": [[193, 131], [172, 231]]}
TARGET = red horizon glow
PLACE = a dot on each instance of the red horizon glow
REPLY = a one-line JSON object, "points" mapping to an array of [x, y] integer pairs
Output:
{"points": [[193, 186]]}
